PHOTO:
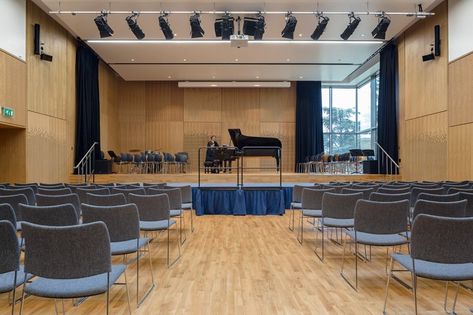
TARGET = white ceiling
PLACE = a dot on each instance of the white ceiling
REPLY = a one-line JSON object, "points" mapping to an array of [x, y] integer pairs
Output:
{"points": [[217, 61]]}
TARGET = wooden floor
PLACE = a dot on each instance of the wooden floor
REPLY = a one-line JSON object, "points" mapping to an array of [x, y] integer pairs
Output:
{"points": [[254, 265]]}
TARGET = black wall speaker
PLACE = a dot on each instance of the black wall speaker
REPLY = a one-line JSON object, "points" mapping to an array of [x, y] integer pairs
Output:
{"points": [[37, 40], [437, 40]]}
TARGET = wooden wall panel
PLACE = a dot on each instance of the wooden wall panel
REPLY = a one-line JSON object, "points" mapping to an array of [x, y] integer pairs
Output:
{"points": [[460, 152], [12, 155], [461, 91], [203, 105], [164, 101], [12, 88], [425, 152], [426, 82], [278, 104], [241, 105], [132, 116]]}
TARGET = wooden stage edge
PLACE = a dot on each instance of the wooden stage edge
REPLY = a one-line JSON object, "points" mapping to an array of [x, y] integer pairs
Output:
{"points": [[231, 178]]}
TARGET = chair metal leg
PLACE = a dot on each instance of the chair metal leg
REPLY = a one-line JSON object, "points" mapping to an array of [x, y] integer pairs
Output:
{"points": [[387, 285], [301, 228], [182, 226], [291, 217], [452, 311], [14, 293], [192, 220], [414, 289], [108, 293], [178, 247], [138, 300], [126, 287], [323, 243], [23, 294], [355, 287]]}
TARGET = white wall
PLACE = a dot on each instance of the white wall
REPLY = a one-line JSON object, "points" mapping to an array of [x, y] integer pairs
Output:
{"points": [[460, 30], [13, 27]]}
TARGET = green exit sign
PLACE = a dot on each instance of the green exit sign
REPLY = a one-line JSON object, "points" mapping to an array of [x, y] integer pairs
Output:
{"points": [[8, 112]]}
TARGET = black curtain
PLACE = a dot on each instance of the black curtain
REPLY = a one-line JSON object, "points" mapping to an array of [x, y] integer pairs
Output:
{"points": [[387, 102], [88, 104], [309, 132]]}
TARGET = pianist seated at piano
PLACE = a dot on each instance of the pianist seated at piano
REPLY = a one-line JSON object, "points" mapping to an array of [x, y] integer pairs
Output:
{"points": [[218, 158]]}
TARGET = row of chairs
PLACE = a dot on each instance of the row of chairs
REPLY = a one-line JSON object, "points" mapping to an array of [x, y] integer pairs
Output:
{"points": [[434, 220], [151, 162], [332, 164], [69, 239]]}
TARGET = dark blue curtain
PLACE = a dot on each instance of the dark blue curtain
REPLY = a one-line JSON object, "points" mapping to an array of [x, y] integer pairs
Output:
{"points": [[387, 102], [309, 132], [88, 104]]}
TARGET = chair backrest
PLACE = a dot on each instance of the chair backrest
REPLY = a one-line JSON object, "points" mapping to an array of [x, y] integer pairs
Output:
{"points": [[442, 239], [122, 221], [82, 192], [312, 198], [14, 201], [297, 193], [339, 206], [186, 193], [366, 192], [127, 191], [469, 205], [27, 191], [106, 200], [33, 186], [377, 196], [106, 185], [365, 186], [337, 187], [7, 213], [384, 190], [8, 247], [446, 187], [74, 187], [442, 209], [54, 192], [395, 186], [453, 190], [425, 185], [69, 252], [174, 194], [415, 191], [55, 200], [381, 217], [52, 185], [154, 184], [59, 215], [151, 207], [434, 197]]}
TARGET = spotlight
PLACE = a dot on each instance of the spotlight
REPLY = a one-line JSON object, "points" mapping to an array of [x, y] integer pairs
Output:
{"points": [[323, 21], [104, 29], [380, 30], [196, 29], [254, 27], [352, 25], [291, 22], [164, 24], [224, 27], [132, 21], [428, 57]]}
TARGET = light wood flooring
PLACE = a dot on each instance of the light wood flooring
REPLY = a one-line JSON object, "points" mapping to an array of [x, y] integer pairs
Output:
{"points": [[254, 265]]}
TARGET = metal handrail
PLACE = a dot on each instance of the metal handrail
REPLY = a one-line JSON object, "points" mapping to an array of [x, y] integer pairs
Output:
{"points": [[388, 166], [85, 155], [85, 166]]}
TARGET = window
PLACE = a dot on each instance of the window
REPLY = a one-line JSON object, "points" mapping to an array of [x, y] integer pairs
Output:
{"points": [[349, 117]]}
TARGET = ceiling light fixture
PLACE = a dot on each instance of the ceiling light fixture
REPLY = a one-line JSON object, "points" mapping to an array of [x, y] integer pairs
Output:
{"points": [[319, 30], [164, 24], [291, 22], [102, 25], [351, 27], [196, 29], [379, 31], [132, 21]]}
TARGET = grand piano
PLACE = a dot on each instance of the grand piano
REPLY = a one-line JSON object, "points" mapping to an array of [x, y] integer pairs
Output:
{"points": [[255, 146]]}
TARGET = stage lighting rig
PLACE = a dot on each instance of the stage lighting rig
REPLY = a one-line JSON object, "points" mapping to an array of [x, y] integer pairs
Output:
{"points": [[164, 24], [132, 21], [352, 25], [196, 29], [104, 29], [380, 30], [291, 22], [319, 30]]}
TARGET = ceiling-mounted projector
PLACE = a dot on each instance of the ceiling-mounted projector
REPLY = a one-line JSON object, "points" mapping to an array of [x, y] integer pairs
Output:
{"points": [[239, 40]]}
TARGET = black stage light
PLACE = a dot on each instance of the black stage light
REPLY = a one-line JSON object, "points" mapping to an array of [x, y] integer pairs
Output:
{"points": [[352, 25], [288, 31], [319, 30], [164, 24], [380, 30], [224, 27], [132, 21], [196, 29], [104, 29], [254, 26], [428, 57]]}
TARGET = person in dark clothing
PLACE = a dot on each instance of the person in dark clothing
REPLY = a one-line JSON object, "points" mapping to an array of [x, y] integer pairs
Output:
{"points": [[210, 161]]}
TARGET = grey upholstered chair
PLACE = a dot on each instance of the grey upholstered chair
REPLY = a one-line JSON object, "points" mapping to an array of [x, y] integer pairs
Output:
{"points": [[441, 198], [453, 190], [55, 200], [376, 196], [311, 207], [11, 272], [446, 187], [82, 192], [14, 201], [336, 186], [384, 190], [377, 224], [175, 202], [338, 212], [437, 208], [106, 200], [27, 191], [396, 186], [154, 217], [375, 187], [186, 194], [58, 215], [69, 262], [123, 226], [469, 205], [7, 214], [33, 186], [52, 185], [128, 191], [295, 203], [441, 249], [366, 191], [54, 191], [415, 191]]}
